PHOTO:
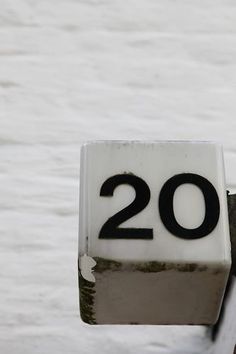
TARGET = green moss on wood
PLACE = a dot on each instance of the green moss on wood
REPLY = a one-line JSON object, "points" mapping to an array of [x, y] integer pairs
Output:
{"points": [[153, 267], [87, 293], [104, 265]]}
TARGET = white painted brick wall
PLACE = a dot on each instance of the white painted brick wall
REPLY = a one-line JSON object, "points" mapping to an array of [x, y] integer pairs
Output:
{"points": [[74, 70]]}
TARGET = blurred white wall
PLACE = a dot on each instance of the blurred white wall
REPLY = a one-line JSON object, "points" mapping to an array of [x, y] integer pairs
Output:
{"points": [[72, 71]]}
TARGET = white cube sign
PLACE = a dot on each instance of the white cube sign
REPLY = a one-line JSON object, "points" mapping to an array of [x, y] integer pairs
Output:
{"points": [[154, 244]]}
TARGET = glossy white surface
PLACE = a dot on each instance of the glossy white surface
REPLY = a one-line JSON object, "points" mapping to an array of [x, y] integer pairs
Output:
{"points": [[155, 163]]}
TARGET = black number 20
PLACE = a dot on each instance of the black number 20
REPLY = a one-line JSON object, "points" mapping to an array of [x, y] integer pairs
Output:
{"points": [[110, 229]]}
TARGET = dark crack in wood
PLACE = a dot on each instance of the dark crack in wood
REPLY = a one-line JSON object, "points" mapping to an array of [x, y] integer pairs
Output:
{"points": [[232, 226]]}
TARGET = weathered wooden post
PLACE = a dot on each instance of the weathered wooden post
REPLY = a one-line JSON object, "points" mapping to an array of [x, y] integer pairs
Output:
{"points": [[154, 234]]}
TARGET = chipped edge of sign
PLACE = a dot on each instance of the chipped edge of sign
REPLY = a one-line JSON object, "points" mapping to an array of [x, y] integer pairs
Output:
{"points": [[86, 265]]}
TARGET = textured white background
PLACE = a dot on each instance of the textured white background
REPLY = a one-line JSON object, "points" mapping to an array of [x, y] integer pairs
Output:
{"points": [[75, 70]]}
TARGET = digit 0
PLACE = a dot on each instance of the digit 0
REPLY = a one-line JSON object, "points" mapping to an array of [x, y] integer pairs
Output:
{"points": [[166, 208]]}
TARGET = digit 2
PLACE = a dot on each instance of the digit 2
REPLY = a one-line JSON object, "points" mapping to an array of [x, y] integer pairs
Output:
{"points": [[110, 229]]}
